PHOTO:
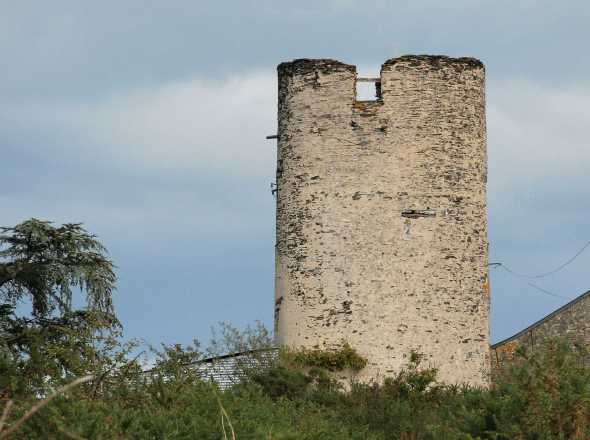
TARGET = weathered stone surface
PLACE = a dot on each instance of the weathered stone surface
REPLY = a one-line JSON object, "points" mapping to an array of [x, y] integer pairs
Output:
{"points": [[570, 322], [381, 214]]}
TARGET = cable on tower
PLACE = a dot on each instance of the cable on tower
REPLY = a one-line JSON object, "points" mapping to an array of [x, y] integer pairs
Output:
{"points": [[542, 275]]}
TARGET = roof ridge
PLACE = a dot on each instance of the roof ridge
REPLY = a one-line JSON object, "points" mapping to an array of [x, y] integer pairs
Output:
{"points": [[543, 320]]}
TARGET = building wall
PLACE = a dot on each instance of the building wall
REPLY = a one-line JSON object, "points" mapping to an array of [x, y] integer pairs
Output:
{"points": [[381, 214], [571, 322]]}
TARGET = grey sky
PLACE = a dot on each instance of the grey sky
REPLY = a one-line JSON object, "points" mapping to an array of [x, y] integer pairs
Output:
{"points": [[146, 121]]}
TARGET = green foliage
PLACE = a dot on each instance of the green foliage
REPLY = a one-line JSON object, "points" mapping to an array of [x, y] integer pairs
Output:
{"points": [[545, 396], [279, 381], [38, 354], [43, 265], [332, 360], [228, 339], [553, 385], [295, 373]]}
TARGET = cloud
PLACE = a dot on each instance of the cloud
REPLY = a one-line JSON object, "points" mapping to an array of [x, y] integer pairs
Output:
{"points": [[83, 49], [538, 154], [189, 158], [538, 195], [198, 125], [537, 132]]}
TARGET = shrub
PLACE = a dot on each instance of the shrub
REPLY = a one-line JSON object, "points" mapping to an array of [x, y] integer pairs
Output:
{"points": [[331, 360], [546, 395]]}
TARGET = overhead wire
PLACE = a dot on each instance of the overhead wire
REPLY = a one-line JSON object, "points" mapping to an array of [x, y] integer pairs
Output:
{"points": [[542, 275], [547, 292], [534, 286]]}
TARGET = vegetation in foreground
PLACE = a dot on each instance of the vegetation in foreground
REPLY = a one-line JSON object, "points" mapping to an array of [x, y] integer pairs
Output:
{"points": [[546, 395]]}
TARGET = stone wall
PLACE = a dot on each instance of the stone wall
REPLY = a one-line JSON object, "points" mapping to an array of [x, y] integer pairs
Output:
{"points": [[381, 214], [571, 322]]}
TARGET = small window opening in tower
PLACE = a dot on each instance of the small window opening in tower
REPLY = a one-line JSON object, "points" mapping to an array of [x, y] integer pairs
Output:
{"points": [[368, 89]]}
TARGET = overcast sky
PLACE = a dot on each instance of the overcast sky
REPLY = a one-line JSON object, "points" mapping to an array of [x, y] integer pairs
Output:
{"points": [[147, 120]]}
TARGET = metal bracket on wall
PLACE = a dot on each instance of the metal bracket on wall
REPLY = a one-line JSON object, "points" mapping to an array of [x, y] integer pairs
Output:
{"points": [[417, 213]]}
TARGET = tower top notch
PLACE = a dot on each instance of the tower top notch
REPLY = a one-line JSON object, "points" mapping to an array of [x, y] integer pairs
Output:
{"points": [[326, 65]]}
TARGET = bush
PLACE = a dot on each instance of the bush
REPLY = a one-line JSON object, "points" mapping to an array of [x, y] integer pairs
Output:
{"points": [[345, 358], [545, 395]]}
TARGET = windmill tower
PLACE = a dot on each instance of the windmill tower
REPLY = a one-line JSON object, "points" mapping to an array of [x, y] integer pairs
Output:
{"points": [[381, 214]]}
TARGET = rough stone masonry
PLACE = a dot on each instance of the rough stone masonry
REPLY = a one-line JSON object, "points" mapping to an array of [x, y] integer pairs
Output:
{"points": [[571, 322], [381, 214]]}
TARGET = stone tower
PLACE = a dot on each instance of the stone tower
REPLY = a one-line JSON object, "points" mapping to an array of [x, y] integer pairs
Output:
{"points": [[381, 214]]}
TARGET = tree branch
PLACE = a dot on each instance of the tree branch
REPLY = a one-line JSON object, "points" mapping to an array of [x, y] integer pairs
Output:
{"points": [[38, 406], [10, 271]]}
